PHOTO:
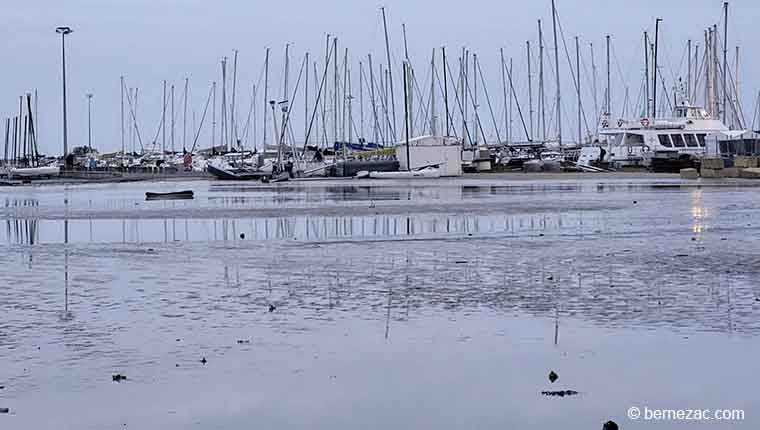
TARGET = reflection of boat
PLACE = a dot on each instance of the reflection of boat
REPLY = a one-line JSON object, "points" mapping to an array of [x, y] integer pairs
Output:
{"points": [[236, 174], [177, 195], [34, 172]]}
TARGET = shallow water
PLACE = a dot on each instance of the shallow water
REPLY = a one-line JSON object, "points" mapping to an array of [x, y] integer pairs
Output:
{"points": [[398, 304]]}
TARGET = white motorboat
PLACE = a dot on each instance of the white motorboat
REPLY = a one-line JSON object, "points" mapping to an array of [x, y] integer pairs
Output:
{"points": [[633, 143]]}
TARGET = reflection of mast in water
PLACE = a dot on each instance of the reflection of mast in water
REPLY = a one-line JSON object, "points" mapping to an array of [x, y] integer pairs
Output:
{"points": [[388, 314], [66, 314], [22, 231]]}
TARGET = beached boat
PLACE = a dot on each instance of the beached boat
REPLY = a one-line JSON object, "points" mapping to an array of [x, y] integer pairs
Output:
{"points": [[236, 174], [427, 172], [176, 195], [34, 172]]}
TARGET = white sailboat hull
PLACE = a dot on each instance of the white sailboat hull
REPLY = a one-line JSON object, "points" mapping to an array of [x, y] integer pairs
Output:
{"points": [[34, 172], [423, 173]]}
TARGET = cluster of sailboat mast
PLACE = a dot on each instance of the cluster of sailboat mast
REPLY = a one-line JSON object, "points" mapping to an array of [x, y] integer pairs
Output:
{"points": [[451, 101]]}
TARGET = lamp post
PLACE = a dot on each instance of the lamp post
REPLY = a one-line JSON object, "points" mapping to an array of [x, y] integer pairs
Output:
{"points": [[89, 121], [63, 31]]}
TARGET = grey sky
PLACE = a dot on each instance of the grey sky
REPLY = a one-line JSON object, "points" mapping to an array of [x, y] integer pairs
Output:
{"points": [[151, 40]]}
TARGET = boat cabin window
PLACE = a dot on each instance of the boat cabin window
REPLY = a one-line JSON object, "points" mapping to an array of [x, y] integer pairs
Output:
{"points": [[701, 140], [665, 140], [617, 139], [678, 140], [691, 141], [687, 112], [634, 139]]}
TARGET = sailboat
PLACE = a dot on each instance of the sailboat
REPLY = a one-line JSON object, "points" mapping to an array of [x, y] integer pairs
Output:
{"points": [[26, 162]]}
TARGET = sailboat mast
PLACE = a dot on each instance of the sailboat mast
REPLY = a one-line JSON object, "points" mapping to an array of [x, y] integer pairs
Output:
{"points": [[446, 91], [233, 122], [163, 122], [688, 69], [594, 89], [121, 79], [213, 115], [737, 105], [372, 98], [715, 93], [530, 92], [306, 104], [541, 92], [475, 96], [654, 70], [406, 119], [578, 87], [646, 74], [335, 90], [327, 85], [463, 105], [556, 66], [390, 72], [725, 59], [37, 119], [287, 66], [410, 78], [285, 95], [433, 129], [361, 102], [171, 129], [223, 133], [511, 98], [350, 113], [609, 87], [504, 92], [184, 119], [266, 96], [344, 99]]}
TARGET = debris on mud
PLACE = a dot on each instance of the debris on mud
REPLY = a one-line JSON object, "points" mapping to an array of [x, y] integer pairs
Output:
{"points": [[560, 393]]}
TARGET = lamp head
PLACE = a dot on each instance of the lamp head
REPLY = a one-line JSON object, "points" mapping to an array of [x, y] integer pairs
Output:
{"points": [[63, 30]]}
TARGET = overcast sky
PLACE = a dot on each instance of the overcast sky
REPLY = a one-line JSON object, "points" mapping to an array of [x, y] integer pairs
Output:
{"points": [[148, 41]]}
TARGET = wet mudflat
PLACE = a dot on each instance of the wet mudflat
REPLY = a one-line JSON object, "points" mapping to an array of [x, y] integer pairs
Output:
{"points": [[353, 304]]}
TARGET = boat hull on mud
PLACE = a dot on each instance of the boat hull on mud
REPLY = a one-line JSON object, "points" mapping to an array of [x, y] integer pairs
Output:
{"points": [[33, 172], [233, 174]]}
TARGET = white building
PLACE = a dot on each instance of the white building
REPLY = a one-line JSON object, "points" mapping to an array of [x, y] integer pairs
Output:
{"points": [[443, 152]]}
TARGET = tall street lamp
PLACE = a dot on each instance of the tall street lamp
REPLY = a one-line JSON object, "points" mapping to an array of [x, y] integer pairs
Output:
{"points": [[89, 121], [63, 31]]}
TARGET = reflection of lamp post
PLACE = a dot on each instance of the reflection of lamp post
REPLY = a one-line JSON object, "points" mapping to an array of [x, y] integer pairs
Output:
{"points": [[89, 121], [63, 31]]}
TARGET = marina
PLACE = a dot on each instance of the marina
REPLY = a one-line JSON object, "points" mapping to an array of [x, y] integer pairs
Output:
{"points": [[484, 216]]}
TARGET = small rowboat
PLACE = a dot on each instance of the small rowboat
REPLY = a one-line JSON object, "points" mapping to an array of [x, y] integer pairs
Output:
{"points": [[177, 195]]}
